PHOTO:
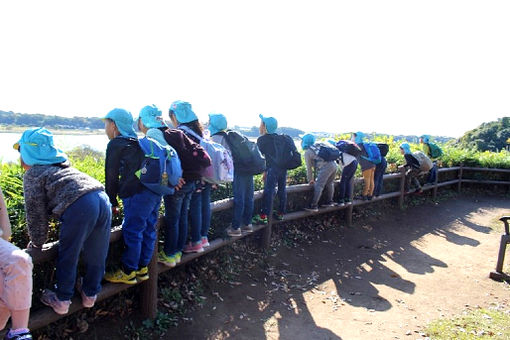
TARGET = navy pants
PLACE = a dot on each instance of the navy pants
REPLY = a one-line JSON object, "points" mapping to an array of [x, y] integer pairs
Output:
{"points": [[345, 187], [380, 169], [85, 228], [243, 200], [274, 177], [200, 213]]}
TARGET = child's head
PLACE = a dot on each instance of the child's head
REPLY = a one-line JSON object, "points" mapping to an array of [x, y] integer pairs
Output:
{"points": [[307, 141], [405, 148], [424, 139], [36, 148], [150, 118], [119, 122], [180, 113], [217, 123], [267, 125]]}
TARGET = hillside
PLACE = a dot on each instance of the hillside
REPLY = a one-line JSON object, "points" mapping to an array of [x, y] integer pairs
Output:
{"points": [[491, 136]]}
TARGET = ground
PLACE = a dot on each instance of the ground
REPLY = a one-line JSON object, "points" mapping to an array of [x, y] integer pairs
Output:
{"points": [[386, 277]]}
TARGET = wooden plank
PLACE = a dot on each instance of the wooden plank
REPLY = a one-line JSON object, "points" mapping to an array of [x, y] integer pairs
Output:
{"points": [[477, 181]]}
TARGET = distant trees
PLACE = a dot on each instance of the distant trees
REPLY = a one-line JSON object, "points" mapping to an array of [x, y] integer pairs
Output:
{"points": [[492, 136], [25, 119]]}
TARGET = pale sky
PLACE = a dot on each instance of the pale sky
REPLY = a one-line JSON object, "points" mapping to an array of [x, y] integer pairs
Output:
{"points": [[397, 67]]}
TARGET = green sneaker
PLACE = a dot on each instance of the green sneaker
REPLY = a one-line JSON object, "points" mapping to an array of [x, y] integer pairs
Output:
{"points": [[142, 274], [168, 261], [178, 257], [120, 277], [278, 216], [259, 219]]}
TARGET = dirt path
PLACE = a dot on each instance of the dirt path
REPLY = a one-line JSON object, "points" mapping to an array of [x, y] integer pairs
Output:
{"points": [[382, 279]]}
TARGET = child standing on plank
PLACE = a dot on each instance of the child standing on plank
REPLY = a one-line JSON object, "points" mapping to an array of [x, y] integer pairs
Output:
{"points": [[326, 171], [123, 159], [434, 152], [52, 188], [15, 281], [412, 167], [348, 165], [367, 167]]}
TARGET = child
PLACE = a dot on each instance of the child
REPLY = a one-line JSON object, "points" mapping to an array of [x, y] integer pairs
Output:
{"points": [[367, 167], [325, 176], [380, 169], [348, 165], [197, 194], [15, 281], [434, 155], [123, 158], [412, 167], [273, 175], [242, 186], [52, 188]]}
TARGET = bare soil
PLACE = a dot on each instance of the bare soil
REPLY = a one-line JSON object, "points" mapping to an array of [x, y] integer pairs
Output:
{"points": [[385, 278]]}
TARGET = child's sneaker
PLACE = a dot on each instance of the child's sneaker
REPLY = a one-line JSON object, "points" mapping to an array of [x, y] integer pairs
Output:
{"points": [[278, 216], [328, 205], [193, 248], [86, 301], [120, 277], [247, 228], [142, 274], [205, 242], [178, 257], [348, 202], [168, 261], [49, 298], [18, 334], [341, 203], [312, 208], [234, 232], [259, 219]]}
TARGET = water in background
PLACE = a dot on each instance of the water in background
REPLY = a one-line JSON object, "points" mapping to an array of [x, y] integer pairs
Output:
{"points": [[65, 142]]}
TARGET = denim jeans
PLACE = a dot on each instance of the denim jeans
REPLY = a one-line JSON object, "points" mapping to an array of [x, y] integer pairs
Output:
{"points": [[243, 200], [274, 177], [432, 174], [85, 226], [176, 218], [345, 187], [139, 229], [380, 169], [200, 213], [325, 181]]}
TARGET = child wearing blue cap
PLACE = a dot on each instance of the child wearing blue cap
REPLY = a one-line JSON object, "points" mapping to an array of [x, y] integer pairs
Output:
{"points": [[52, 188], [434, 152], [367, 167], [123, 159], [15, 281], [412, 167], [274, 175], [326, 171], [242, 185]]}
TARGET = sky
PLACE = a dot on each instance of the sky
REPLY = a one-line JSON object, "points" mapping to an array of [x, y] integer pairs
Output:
{"points": [[395, 67]]}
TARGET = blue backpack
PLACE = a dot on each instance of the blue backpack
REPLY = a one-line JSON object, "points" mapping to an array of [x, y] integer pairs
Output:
{"points": [[160, 169], [373, 152]]}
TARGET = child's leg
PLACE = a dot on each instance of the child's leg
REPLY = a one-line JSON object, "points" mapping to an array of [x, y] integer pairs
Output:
{"points": [[173, 205], [95, 248], [349, 172], [206, 210], [367, 176], [323, 178], [247, 181], [195, 214], [371, 182], [239, 197], [149, 234], [330, 183], [282, 191], [269, 188], [187, 189]]}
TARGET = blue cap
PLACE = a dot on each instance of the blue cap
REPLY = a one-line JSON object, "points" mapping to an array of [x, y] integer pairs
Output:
{"points": [[406, 147], [217, 123], [360, 136], [151, 117], [183, 112], [123, 120], [157, 135], [37, 148], [270, 122], [426, 138], [307, 141]]}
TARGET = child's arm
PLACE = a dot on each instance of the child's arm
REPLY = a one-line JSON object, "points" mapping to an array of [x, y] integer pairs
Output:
{"points": [[5, 224], [112, 170], [36, 209]]}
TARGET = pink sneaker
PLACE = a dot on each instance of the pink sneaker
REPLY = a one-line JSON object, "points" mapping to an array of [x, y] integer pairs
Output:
{"points": [[86, 301], [193, 248], [205, 242], [49, 298]]}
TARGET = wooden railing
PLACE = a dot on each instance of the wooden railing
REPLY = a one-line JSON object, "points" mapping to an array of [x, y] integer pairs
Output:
{"points": [[45, 316]]}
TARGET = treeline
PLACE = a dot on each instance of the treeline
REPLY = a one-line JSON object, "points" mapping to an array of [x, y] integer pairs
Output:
{"points": [[51, 122], [492, 136]]}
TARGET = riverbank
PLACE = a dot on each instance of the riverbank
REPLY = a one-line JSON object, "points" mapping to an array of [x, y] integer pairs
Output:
{"points": [[20, 129]]}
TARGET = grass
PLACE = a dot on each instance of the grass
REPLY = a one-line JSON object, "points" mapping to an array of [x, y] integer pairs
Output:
{"points": [[476, 324]]}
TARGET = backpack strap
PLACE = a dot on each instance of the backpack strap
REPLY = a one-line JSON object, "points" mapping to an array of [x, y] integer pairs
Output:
{"points": [[191, 132]]}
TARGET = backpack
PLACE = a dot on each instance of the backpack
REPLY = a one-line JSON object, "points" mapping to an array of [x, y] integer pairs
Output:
{"points": [[246, 154], [373, 153], [425, 162], [435, 150], [221, 169], [160, 169], [326, 152], [286, 155], [348, 147], [194, 159], [383, 148]]}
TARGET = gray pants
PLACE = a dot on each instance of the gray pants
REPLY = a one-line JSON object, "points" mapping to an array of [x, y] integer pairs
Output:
{"points": [[325, 180]]}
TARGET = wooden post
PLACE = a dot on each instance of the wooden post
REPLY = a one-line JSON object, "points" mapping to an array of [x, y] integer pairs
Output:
{"points": [[402, 188], [350, 206], [266, 233], [434, 192], [460, 178], [149, 289]]}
